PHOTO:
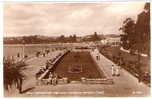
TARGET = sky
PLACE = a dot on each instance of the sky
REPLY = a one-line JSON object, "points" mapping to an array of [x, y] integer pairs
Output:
{"points": [[55, 19]]}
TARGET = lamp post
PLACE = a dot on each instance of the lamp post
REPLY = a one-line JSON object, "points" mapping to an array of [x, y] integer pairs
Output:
{"points": [[23, 49]]}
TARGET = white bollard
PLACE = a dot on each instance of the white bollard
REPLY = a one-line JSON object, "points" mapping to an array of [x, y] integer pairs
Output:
{"points": [[83, 79], [65, 80], [113, 70]]}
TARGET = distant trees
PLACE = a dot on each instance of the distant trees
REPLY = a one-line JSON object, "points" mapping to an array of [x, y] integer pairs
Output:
{"points": [[29, 39], [37, 39], [72, 38], [34, 39], [137, 34], [61, 39], [95, 37]]}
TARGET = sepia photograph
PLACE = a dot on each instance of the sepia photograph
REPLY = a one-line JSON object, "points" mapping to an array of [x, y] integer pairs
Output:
{"points": [[81, 49]]}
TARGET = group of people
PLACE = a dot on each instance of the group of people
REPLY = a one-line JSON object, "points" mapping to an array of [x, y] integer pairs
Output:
{"points": [[116, 68], [53, 78], [43, 53], [53, 59], [41, 71], [49, 65]]}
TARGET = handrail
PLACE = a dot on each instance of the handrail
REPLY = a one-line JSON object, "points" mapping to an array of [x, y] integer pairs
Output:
{"points": [[42, 76]]}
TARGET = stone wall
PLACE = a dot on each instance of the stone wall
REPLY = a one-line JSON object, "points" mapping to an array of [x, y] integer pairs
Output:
{"points": [[48, 81]]}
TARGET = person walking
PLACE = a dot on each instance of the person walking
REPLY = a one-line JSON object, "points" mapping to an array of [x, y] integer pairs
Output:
{"points": [[54, 81], [48, 64], [113, 70], [18, 55], [50, 78]]}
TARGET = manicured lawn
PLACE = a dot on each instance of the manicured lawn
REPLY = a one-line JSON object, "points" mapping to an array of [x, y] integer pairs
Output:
{"points": [[75, 65]]}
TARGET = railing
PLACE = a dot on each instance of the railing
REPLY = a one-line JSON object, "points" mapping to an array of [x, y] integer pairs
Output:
{"points": [[52, 65]]}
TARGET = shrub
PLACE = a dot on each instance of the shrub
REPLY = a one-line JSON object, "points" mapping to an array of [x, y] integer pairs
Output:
{"points": [[13, 74]]}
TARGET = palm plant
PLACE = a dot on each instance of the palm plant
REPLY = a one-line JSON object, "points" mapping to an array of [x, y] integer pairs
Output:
{"points": [[13, 74]]}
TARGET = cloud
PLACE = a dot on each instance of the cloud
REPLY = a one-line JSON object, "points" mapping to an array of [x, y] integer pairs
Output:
{"points": [[81, 14], [67, 18]]}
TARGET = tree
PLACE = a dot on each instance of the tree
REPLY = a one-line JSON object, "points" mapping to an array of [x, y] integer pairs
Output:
{"points": [[72, 38], [128, 38], [95, 37], [13, 74], [137, 35], [61, 38]]}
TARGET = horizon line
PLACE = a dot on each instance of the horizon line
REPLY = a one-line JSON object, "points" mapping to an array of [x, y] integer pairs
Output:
{"points": [[59, 35]]}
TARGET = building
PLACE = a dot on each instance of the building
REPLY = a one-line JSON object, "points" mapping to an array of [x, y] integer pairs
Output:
{"points": [[111, 41]]}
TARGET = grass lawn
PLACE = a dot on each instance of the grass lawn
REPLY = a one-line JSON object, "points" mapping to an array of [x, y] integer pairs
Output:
{"points": [[75, 65]]}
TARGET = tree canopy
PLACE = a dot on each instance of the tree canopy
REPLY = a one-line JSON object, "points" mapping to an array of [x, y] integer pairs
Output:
{"points": [[137, 34]]}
